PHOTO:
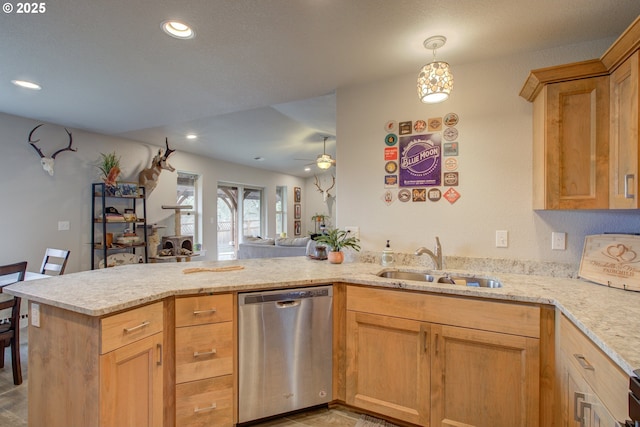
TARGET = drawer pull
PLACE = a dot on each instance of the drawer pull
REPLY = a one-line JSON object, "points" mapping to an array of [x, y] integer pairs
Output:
{"points": [[211, 310], [584, 362], [208, 408], [135, 328], [204, 353]]}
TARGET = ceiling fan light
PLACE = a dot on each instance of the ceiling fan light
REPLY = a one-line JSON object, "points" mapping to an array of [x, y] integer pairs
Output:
{"points": [[324, 161]]}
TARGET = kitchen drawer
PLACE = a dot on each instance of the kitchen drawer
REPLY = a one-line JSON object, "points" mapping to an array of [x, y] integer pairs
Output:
{"points": [[205, 403], [204, 351], [204, 309], [608, 381], [130, 326], [475, 313]]}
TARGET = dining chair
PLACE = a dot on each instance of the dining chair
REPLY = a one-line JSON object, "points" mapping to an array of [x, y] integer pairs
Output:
{"points": [[54, 262], [10, 331]]}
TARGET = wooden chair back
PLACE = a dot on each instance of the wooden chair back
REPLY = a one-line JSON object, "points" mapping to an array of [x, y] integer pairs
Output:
{"points": [[10, 328], [54, 262]]}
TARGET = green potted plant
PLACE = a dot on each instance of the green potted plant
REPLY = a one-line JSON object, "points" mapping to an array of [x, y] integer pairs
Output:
{"points": [[109, 165], [336, 240]]}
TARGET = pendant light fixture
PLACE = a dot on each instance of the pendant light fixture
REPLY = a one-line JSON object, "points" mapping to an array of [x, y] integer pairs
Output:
{"points": [[435, 80]]}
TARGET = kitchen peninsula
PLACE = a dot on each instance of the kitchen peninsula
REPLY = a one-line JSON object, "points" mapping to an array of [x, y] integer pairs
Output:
{"points": [[78, 355]]}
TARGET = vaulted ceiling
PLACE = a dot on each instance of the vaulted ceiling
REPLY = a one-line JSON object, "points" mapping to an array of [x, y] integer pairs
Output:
{"points": [[259, 78]]}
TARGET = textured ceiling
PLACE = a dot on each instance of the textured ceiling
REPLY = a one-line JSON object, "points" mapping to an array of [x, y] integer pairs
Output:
{"points": [[259, 78]]}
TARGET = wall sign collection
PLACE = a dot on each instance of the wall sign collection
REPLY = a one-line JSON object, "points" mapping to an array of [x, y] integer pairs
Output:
{"points": [[419, 157]]}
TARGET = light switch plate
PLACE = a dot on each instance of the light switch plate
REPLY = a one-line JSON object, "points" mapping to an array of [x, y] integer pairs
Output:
{"points": [[558, 241], [502, 239]]}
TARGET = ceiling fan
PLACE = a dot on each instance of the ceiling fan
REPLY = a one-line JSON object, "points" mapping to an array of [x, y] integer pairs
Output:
{"points": [[323, 161]]}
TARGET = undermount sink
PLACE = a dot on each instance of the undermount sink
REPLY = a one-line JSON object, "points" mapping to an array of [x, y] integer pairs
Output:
{"points": [[470, 281], [407, 275]]}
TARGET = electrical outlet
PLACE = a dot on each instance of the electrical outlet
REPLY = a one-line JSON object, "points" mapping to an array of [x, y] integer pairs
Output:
{"points": [[558, 241], [502, 239], [353, 230], [35, 315], [63, 225]]}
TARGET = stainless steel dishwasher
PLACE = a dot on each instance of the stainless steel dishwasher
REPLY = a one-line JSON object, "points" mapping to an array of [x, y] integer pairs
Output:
{"points": [[285, 351]]}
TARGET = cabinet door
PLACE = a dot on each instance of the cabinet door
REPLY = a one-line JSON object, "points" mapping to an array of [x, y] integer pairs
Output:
{"points": [[388, 366], [624, 185], [131, 388], [571, 149], [483, 379]]}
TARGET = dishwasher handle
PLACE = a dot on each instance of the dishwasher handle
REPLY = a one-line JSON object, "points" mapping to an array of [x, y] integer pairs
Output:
{"points": [[288, 303]]}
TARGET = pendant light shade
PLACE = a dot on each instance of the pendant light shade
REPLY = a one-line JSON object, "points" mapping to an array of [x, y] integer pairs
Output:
{"points": [[435, 81]]}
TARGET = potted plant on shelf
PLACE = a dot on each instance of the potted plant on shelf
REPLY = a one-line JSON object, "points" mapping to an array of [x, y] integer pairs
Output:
{"points": [[336, 240], [109, 165], [319, 222]]}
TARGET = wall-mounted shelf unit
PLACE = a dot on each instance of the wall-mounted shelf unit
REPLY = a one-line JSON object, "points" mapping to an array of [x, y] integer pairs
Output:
{"points": [[125, 247]]}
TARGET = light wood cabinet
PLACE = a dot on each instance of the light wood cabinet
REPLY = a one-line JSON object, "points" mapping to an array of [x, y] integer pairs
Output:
{"points": [[104, 371], [570, 145], [388, 366], [131, 384], [624, 154], [593, 389], [442, 361], [204, 357], [483, 378], [585, 130]]}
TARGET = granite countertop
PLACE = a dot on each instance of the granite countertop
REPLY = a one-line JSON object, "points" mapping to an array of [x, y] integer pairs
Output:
{"points": [[610, 317]]}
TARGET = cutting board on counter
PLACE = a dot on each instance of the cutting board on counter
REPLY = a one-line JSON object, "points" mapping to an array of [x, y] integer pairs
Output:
{"points": [[612, 260]]}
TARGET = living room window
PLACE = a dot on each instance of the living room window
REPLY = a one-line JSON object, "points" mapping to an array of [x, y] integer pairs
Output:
{"points": [[281, 210]]}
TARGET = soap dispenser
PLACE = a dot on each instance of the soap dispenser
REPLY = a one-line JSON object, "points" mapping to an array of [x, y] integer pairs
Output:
{"points": [[387, 256]]}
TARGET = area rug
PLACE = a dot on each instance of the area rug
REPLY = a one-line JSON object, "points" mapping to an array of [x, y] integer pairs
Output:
{"points": [[369, 421]]}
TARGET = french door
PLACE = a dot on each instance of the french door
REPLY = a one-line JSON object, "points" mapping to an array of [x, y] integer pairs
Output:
{"points": [[240, 213]]}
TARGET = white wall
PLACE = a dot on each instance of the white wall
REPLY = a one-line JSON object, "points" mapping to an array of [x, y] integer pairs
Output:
{"points": [[33, 202], [495, 166]]}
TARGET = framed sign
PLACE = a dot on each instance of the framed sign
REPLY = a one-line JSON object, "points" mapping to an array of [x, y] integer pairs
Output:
{"points": [[297, 228], [297, 211], [297, 194]]}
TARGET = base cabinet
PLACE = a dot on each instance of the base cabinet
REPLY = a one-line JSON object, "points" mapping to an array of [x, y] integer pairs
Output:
{"points": [[388, 369], [131, 384], [204, 356], [452, 364], [593, 389], [482, 378]]}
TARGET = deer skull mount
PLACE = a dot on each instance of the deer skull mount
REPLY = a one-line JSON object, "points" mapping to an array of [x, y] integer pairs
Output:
{"points": [[148, 178], [47, 162], [325, 193]]}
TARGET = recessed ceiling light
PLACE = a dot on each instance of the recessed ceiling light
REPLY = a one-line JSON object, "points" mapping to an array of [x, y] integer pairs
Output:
{"points": [[26, 84], [307, 169], [178, 30], [192, 136]]}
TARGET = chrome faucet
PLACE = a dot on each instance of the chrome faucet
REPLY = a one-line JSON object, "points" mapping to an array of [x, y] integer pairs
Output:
{"points": [[436, 257]]}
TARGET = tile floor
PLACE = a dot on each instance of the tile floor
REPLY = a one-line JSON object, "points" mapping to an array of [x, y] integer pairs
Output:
{"points": [[13, 402]]}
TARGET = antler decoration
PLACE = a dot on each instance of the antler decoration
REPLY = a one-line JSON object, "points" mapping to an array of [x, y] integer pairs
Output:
{"points": [[148, 178], [325, 193], [47, 162]]}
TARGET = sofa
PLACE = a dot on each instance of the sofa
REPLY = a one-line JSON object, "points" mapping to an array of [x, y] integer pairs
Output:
{"points": [[257, 247]]}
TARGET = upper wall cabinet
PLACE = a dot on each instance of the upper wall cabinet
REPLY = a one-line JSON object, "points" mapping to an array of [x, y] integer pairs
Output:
{"points": [[585, 130], [624, 183]]}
